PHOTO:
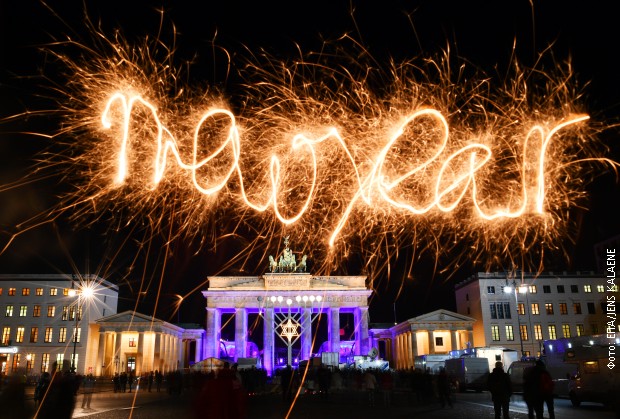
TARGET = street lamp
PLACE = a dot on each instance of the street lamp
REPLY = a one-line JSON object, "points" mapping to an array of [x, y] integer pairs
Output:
{"points": [[82, 294], [522, 289]]}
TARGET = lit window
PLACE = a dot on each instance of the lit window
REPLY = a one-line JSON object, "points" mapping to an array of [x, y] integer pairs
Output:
{"points": [[62, 335], [16, 358], [30, 358], [72, 313], [48, 334], [552, 332], [495, 332], [132, 342], [9, 311], [599, 288], [76, 335], [19, 337], [490, 290], [51, 310], [25, 292], [535, 308], [563, 308], [580, 330], [11, 292], [45, 362], [538, 332], [6, 335], [65, 292], [566, 330], [60, 359], [36, 311], [74, 360], [587, 288], [532, 289], [23, 311], [65, 312], [577, 308], [53, 291], [521, 309], [34, 334], [549, 308], [523, 329], [509, 332], [39, 291]]}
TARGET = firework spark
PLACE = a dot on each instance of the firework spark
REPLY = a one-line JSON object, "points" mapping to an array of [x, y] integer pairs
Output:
{"points": [[315, 149]]}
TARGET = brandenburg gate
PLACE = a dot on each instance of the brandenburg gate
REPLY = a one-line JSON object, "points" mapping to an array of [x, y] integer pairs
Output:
{"points": [[288, 299]]}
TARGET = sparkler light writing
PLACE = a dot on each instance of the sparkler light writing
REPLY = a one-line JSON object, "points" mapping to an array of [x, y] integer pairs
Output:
{"points": [[457, 173]]}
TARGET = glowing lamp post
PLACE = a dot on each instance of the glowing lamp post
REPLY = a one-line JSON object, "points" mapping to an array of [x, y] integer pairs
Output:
{"points": [[522, 289], [83, 294]]}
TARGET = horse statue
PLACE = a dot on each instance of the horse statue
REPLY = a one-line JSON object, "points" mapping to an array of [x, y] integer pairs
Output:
{"points": [[273, 265], [302, 264]]}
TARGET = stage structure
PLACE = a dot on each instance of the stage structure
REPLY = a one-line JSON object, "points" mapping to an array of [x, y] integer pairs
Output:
{"points": [[289, 300]]}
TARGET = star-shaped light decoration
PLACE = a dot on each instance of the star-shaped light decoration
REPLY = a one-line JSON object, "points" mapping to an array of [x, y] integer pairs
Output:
{"points": [[289, 329]]}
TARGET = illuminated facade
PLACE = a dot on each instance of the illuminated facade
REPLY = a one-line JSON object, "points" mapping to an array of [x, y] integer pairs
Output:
{"points": [[434, 333], [131, 341], [521, 311], [297, 297], [45, 319]]}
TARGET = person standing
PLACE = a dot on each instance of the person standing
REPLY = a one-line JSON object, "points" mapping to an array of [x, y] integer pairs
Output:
{"points": [[89, 388], [370, 383], [546, 388], [501, 389], [443, 388]]}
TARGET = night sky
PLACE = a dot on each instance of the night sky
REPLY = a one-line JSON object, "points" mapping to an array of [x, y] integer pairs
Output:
{"points": [[484, 33]]}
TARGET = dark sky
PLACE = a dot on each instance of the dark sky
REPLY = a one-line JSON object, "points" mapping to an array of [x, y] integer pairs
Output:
{"points": [[481, 32]]}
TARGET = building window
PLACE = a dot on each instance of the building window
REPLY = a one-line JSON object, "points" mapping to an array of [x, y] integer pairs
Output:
{"points": [[19, 337], [438, 341], [532, 289], [535, 309], [23, 311], [45, 362], [547, 289], [36, 311], [594, 328], [25, 292], [6, 335], [15, 365], [62, 335], [507, 310], [132, 342], [495, 333], [77, 332], [39, 292], [521, 309], [561, 289], [566, 330], [563, 308], [538, 332], [30, 362], [587, 288], [591, 309], [552, 332], [490, 290], [509, 332], [72, 313], [577, 308], [34, 334], [493, 311], [523, 329], [599, 288], [500, 311], [65, 312], [549, 308], [580, 331], [65, 292], [60, 359], [48, 334], [11, 292], [51, 310], [574, 289], [9, 311], [53, 291], [74, 360]]}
